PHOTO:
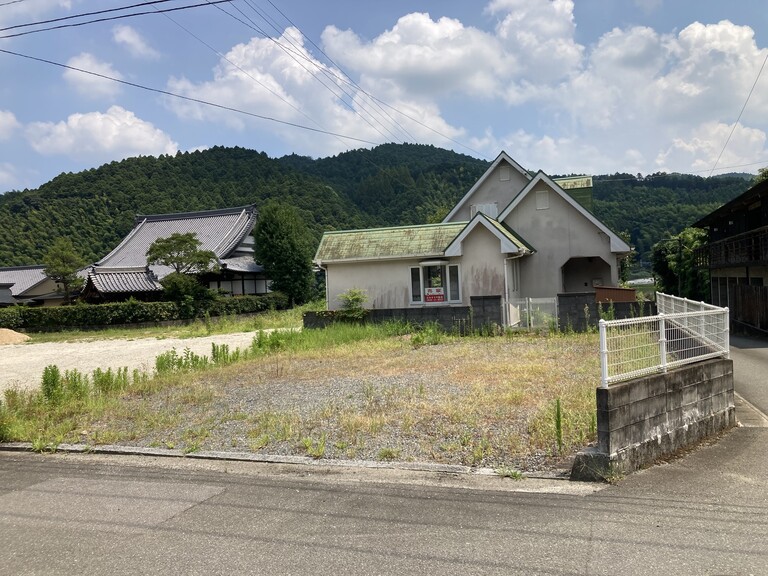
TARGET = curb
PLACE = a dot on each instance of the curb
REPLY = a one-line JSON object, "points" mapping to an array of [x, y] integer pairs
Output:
{"points": [[113, 450]]}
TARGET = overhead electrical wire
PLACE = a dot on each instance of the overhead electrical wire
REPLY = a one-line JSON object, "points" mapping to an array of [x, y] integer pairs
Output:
{"points": [[187, 98], [741, 112], [112, 18]]}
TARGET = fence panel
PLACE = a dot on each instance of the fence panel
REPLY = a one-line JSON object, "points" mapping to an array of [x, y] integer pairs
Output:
{"points": [[532, 313], [636, 347]]}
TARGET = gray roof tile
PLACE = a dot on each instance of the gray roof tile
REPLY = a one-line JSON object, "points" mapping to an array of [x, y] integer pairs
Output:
{"points": [[22, 278]]}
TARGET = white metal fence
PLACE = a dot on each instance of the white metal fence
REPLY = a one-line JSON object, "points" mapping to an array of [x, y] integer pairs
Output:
{"points": [[682, 333], [531, 313]]}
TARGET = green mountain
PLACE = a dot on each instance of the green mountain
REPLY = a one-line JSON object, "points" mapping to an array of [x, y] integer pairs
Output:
{"points": [[389, 185]]}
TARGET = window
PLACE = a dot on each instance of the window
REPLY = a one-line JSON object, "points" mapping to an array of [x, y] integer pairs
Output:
{"points": [[542, 200], [504, 173], [433, 283]]}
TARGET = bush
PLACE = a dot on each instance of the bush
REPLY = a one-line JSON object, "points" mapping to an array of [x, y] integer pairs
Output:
{"points": [[130, 312]]}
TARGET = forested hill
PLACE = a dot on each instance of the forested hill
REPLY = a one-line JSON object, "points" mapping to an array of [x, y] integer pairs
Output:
{"points": [[389, 185]]}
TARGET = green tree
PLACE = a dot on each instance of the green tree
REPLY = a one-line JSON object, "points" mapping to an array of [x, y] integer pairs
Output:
{"points": [[62, 263], [182, 253], [284, 246], [762, 175], [674, 265]]}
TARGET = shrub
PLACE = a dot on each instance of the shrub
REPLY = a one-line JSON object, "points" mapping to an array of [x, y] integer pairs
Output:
{"points": [[52, 385], [353, 305]]}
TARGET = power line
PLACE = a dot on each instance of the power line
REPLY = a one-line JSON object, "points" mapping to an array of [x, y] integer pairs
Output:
{"points": [[112, 18], [759, 73], [188, 98], [73, 16]]}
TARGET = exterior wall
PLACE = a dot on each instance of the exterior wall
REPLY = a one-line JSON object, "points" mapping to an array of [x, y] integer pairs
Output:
{"points": [[387, 283], [644, 419], [482, 265], [493, 189], [572, 309], [558, 234]]}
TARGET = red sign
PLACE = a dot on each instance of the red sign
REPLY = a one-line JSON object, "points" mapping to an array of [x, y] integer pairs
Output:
{"points": [[434, 295]]}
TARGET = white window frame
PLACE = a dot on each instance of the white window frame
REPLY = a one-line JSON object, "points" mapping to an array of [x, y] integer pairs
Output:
{"points": [[421, 279]]}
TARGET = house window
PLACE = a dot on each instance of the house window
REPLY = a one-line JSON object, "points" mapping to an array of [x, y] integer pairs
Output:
{"points": [[435, 283], [504, 173], [542, 200]]}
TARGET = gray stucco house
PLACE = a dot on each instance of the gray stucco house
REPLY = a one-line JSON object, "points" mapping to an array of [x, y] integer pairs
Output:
{"points": [[512, 235]]}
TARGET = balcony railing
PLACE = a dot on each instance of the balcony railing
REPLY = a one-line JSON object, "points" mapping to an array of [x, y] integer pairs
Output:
{"points": [[748, 249]]}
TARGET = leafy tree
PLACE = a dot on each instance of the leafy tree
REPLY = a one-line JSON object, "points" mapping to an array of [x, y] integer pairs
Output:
{"points": [[182, 253], [762, 175], [191, 296], [62, 263], [674, 265], [284, 246]]}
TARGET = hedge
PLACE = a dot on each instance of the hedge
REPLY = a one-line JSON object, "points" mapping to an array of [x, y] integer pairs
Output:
{"points": [[130, 312]]}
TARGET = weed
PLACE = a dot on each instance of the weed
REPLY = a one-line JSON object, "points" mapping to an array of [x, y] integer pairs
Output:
{"points": [[558, 425], [315, 447], [388, 454], [509, 472], [52, 386]]}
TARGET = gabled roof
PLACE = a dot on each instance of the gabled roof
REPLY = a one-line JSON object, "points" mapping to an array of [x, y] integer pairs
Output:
{"points": [[617, 244], [502, 157], [22, 278], [387, 243], [220, 231], [122, 280], [5, 294], [510, 242]]}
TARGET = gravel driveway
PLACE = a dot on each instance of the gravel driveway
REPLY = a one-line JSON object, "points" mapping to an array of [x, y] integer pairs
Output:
{"points": [[22, 365]]}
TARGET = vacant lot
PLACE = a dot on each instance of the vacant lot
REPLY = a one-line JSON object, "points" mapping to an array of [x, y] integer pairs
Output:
{"points": [[479, 401]]}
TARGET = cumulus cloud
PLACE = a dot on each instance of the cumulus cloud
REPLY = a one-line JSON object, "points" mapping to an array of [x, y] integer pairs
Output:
{"points": [[98, 137], [133, 41], [89, 85], [8, 124], [8, 178]]}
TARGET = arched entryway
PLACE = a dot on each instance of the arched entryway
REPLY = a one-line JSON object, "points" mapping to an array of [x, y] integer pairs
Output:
{"points": [[585, 273]]}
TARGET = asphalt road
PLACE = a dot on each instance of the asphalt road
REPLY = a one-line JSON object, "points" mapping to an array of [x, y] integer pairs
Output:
{"points": [[706, 513], [750, 370]]}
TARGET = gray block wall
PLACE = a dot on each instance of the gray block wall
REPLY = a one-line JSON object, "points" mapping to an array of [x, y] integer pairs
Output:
{"points": [[641, 420], [578, 311]]}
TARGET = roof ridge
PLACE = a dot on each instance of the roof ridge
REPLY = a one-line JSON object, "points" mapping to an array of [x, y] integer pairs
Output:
{"points": [[405, 227], [196, 214]]}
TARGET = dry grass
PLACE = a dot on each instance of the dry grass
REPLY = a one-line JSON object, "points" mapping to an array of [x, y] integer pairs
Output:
{"points": [[474, 401]]}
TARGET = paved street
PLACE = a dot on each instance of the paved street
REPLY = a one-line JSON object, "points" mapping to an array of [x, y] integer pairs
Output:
{"points": [[705, 513]]}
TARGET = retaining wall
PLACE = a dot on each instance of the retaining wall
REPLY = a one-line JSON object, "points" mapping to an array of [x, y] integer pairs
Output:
{"points": [[641, 420]]}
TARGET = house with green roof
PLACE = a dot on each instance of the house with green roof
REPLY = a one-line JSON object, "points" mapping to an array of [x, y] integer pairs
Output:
{"points": [[513, 235]]}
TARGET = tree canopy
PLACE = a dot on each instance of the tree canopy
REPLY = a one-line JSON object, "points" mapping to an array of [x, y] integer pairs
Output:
{"points": [[182, 253], [284, 246], [62, 263], [674, 265]]}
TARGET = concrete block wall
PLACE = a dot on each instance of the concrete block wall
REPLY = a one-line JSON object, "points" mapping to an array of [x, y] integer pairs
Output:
{"points": [[454, 318], [641, 420], [572, 316]]}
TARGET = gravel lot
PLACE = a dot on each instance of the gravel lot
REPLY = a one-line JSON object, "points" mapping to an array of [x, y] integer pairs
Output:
{"points": [[21, 365]]}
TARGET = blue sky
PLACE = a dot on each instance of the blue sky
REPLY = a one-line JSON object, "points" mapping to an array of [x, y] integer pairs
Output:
{"points": [[584, 86]]}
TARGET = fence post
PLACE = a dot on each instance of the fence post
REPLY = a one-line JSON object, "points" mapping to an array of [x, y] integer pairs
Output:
{"points": [[603, 354], [528, 311], [727, 332], [663, 342]]}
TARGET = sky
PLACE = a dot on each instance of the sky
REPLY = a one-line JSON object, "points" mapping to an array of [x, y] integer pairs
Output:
{"points": [[566, 86]]}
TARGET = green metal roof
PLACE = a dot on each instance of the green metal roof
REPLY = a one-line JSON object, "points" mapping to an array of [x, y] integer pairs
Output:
{"points": [[510, 234], [385, 243]]}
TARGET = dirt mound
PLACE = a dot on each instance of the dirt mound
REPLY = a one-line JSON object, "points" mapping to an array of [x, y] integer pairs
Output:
{"points": [[11, 337]]}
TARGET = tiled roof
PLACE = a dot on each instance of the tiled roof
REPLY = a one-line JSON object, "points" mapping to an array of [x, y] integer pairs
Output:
{"points": [[118, 280], [5, 294], [217, 230], [22, 278], [242, 264], [385, 243]]}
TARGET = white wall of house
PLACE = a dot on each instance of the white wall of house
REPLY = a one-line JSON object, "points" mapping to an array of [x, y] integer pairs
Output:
{"points": [[558, 232]]}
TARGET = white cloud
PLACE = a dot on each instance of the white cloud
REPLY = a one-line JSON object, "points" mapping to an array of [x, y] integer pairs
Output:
{"points": [[8, 124], [134, 42], [98, 137], [8, 177], [24, 12], [701, 148], [89, 85]]}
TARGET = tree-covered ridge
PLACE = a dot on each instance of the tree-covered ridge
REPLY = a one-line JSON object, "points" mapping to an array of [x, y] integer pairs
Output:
{"points": [[659, 205], [389, 185]]}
